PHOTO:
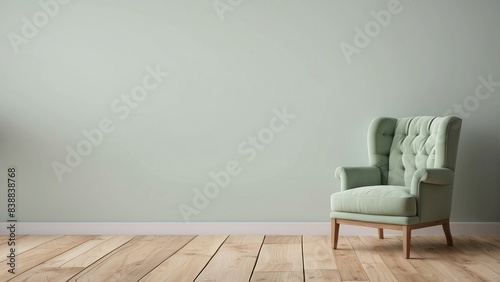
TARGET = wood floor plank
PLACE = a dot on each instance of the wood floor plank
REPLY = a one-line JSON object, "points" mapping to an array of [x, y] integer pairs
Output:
{"points": [[280, 257], [486, 244], [187, 263], [348, 263], [134, 260], [364, 255], [278, 239], [478, 250], [392, 256], [242, 239], [427, 268], [203, 245], [57, 269], [4, 239], [48, 274], [26, 243], [76, 251], [320, 275], [41, 253], [288, 276], [233, 262], [440, 262], [50, 271], [494, 239], [467, 262], [318, 253], [98, 252], [375, 270], [178, 267]]}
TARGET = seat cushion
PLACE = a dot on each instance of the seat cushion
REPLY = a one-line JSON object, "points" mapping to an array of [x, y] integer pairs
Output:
{"points": [[377, 200]]}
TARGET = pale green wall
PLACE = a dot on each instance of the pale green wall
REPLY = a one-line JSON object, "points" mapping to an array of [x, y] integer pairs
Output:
{"points": [[227, 76]]}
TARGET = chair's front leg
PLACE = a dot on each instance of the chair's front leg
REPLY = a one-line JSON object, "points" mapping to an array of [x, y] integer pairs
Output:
{"points": [[335, 232], [406, 241]]}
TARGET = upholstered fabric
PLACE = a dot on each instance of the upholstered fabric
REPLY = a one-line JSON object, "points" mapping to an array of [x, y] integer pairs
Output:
{"points": [[352, 177], [414, 147], [377, 200], [401, 220], [416, 155]]}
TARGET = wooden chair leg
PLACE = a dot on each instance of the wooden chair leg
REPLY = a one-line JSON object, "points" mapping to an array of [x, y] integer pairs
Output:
{"points": [[447, 233], [406, 241], [381, 233], [335, 233]]}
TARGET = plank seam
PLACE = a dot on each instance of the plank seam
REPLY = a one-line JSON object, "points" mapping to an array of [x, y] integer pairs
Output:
{"points": [[257, 258], [211, 257]]}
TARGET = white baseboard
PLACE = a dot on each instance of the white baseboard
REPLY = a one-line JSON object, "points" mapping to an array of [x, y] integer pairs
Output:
{"points": [[227, 228]]}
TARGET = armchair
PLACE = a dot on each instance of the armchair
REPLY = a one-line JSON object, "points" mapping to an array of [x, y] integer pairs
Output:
{"points": [[408, 183]]}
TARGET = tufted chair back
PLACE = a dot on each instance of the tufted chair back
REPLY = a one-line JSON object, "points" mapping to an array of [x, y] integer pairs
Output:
{"points": [[399, 147]]}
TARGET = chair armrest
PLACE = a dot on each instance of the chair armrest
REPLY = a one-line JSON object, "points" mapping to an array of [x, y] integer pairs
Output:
{"points": [[352, 177], [433, 189], [436, 176]]}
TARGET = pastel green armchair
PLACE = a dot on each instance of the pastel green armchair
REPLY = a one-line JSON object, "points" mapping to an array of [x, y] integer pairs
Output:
{"points": [[408, 183]]}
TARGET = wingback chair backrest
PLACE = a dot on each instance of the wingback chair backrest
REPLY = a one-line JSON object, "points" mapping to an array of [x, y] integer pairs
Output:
{"points": [[399, 147]]}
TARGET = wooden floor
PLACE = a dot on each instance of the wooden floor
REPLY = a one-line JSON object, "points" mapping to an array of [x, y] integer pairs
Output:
{"points": [[250, 258]]}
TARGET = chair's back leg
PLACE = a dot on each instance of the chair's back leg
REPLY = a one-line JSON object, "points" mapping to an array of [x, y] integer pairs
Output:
{"points": [[447, 233], [381, 233]]}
